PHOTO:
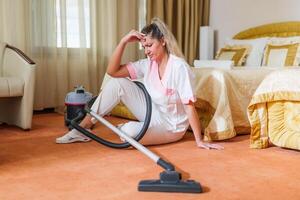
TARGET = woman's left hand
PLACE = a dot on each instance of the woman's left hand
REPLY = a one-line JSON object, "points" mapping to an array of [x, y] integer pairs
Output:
{"points": [[206, 145], [133, 36]]}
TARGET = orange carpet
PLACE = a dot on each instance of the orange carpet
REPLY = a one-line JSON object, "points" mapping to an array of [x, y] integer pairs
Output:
{"points": [[32, 166]]}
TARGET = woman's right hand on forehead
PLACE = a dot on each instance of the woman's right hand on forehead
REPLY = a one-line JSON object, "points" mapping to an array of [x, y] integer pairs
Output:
{"points": [[133, 36]]}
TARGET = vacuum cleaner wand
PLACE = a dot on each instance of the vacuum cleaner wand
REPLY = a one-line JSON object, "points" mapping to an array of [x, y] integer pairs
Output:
{"points": [[170, 180]]}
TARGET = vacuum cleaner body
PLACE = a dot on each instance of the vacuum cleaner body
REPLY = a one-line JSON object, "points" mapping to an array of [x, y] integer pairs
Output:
{"points": [[75, 102]]}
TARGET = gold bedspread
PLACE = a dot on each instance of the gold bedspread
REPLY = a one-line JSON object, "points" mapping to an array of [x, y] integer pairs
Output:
{"points": [[274, 111], [229, 92]]}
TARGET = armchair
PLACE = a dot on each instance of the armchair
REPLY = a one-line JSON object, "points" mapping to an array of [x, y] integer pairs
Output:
{"points": [[17, 82]]}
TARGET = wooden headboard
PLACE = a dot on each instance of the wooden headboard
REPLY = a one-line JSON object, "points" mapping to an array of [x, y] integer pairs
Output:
{"points": [[282, 29]]}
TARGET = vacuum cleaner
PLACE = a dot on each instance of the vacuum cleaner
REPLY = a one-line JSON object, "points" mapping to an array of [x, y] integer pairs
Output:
{"points": [[169, 180], [75, 102]]}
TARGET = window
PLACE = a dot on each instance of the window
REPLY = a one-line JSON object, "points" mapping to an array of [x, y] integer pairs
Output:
{"points": [[76, 13]]}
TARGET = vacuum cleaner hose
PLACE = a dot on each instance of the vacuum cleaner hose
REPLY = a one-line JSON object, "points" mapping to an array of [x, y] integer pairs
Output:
{"points": [[81, 115]]}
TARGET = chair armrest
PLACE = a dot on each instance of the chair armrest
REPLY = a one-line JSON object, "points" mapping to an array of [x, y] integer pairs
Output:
{"points": [[17, 64], [21, 53]]}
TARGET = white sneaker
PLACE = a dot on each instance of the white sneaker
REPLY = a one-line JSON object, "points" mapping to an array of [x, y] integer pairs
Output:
{"points": [[72, 136]]}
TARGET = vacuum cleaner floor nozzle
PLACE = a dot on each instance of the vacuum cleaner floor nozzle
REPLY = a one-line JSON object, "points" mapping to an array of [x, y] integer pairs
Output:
{"points": [[170, 181]]}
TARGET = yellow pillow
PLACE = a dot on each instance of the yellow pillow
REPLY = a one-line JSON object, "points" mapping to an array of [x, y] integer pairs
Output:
{"points": [[122, 111], [281, 55], [237, 53]]}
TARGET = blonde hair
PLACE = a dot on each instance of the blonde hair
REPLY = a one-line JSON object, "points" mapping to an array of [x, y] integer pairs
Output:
{"points": [[163, 32]]}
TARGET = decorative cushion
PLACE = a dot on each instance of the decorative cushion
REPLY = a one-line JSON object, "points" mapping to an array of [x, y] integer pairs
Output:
{"points": [[281, 55], [237, 53], [254, 59]]}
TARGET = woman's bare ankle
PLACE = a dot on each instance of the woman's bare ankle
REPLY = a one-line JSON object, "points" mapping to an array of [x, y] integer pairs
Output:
{"points": [[87, 123]]}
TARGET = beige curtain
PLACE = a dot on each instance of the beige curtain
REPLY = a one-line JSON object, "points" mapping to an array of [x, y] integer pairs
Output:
{"points": [[41, 28], [12, 12], [184, 18]]}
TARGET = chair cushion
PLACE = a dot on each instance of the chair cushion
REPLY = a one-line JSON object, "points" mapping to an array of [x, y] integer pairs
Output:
{"points": [[11, 87]]}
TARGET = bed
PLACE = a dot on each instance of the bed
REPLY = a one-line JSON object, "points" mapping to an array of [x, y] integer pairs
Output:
{"points": [[274, 108], [274, 111], [260, 100], [222, 100]]}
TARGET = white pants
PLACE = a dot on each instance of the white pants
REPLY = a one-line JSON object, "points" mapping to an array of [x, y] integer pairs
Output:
{"points": [[122, 89]]}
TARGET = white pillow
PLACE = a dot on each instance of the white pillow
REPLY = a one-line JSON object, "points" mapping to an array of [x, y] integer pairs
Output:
{"points": [[219, 64], [284, 40], [255, 56]]}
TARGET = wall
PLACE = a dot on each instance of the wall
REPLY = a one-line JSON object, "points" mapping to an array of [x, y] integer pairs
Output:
{"points": [[229, 17]]}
